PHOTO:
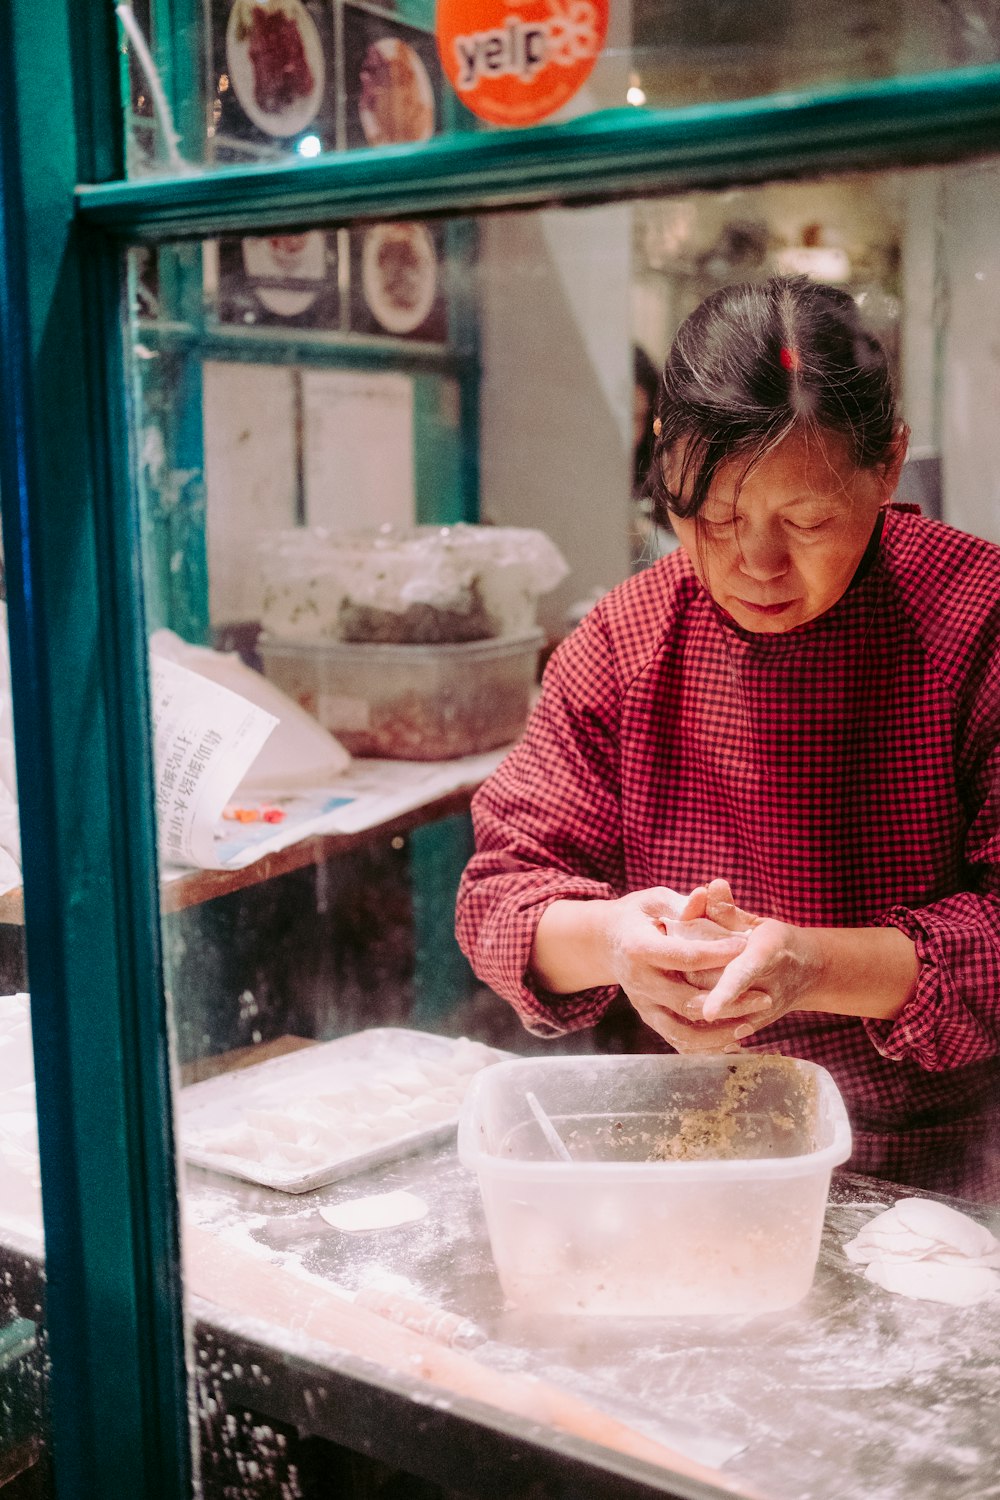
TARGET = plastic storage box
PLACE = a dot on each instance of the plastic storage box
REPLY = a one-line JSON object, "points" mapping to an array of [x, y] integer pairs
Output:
{"points": [[411, 702], [697, 1184], [418, 585]]}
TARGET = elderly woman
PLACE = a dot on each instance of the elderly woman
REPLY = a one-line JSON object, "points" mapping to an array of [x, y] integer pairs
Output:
{"points": [[799, 708]]}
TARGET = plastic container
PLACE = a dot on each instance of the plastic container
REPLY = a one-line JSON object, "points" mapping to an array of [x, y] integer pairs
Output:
{"points": [[411, 702], [698, 1185], [426, 585]]}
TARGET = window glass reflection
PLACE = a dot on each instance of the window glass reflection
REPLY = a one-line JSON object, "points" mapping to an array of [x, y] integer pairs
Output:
{"points": [[385, 472], [249, 81], [23, 1449]]}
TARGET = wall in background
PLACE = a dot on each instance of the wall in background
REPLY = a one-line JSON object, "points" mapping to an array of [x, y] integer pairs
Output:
{"points": [[557, 388]]}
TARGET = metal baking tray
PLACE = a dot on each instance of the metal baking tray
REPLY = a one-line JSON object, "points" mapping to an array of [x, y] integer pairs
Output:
{"points": [[298, 1122]]}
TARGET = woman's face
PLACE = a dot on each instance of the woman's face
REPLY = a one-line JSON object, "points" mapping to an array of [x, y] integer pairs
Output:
{"points": [[780, 548]]}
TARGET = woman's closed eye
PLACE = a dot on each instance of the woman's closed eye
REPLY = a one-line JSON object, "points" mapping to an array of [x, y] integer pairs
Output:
{"points": [[725, 525], [807, 524]]}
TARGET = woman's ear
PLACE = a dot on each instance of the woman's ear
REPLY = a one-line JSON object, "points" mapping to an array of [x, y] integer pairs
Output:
{"points": [[893, 465]]}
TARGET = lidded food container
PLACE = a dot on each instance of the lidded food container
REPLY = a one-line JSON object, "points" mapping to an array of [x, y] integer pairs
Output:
{"points": [[414, 644], [420, 586], [697, 1185]]}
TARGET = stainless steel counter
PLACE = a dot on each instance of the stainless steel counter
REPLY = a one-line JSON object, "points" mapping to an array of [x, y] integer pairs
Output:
{"points": [[853, 1393]]}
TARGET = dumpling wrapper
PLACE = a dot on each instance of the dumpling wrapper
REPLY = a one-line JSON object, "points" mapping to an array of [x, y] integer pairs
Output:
{"points": [[959, 1284], [939, 1222], [887, 1222], [954, 1257], [927, 1250], [912, 1244], [377, 1211], [863, 1252]]}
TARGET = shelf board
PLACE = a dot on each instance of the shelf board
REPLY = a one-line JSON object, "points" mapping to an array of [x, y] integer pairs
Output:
{"points": [[197, 886]]}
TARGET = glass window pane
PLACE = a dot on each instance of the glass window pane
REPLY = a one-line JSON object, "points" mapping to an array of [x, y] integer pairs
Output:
{"points": [[385, 472], [240, 81], [686, 53], [23, 1427]]}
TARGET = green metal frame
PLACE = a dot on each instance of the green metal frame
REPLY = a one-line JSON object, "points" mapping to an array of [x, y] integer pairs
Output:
{"points": [[20, 1389], [118, 1410], [118, 1405], [173, 518], [925, 118]]}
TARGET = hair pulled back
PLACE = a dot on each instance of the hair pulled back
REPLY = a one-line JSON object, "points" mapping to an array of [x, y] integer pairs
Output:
{"points": [[754, 362]]}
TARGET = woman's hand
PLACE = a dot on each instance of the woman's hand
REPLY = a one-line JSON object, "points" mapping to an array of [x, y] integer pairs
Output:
{"points": [[665, 952], [778, 970]]}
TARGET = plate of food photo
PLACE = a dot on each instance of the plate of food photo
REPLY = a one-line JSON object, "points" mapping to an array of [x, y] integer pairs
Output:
{"points": [[276, 65], [399, 275], [396, 101], [277, 259]]}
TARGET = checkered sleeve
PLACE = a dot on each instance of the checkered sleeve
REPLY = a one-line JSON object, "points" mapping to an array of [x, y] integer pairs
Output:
{"points": [[548, 827], [953, 1018]]}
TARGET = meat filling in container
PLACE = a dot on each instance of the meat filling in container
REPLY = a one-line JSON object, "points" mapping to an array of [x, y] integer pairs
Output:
{"points": [[696, 1185], [411, 702]]}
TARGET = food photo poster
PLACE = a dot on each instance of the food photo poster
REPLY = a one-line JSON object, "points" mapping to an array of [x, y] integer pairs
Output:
{"points": [[288, 280], [274, 75], [282, 85], [397, 281]]}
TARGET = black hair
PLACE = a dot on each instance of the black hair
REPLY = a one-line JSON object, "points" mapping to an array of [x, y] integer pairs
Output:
{"points": [[754, 362], [646, 377]]}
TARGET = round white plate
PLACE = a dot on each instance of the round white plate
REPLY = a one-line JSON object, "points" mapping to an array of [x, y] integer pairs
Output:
{"points": [[299, 257], [396, 102], [299, 41], [399, 275]]}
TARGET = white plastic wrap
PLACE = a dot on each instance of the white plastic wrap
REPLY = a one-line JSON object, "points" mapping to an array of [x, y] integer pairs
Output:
{"points": [[428, 585]]}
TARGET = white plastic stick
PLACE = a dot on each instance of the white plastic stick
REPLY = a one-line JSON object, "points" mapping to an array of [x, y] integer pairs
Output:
{"points": [[161, 108], [549, 1131]]}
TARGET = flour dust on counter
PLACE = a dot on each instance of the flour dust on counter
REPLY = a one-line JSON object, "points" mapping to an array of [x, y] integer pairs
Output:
{"points": [[20, 1181], [905, 1391]]}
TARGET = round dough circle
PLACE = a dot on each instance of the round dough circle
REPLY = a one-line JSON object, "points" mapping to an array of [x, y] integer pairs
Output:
{"points": [[931, 1281], [937, 1221], [377, 1211]]}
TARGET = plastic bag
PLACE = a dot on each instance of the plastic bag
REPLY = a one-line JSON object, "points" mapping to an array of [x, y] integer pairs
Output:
{"points": [[427, 585]]}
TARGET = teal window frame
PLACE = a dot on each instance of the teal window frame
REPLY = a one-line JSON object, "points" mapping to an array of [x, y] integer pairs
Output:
{"points": [[118, 1409]]}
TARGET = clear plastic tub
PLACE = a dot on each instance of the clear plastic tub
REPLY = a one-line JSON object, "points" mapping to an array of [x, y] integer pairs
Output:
{"points": [[411, 702], [698, 1184], [425, 585]]}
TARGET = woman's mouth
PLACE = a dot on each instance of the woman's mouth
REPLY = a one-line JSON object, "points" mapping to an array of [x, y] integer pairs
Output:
{"points": [[765, 609]]}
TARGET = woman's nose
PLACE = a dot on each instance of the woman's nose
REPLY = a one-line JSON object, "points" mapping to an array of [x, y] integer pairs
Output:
{"points": [[763, 553]]}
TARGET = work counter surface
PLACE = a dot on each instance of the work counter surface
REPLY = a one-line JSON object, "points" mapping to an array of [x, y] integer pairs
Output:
{"points": [[853, 1393]]}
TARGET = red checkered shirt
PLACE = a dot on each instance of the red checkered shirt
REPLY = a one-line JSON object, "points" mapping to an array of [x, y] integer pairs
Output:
{"points": [[842, 774]]}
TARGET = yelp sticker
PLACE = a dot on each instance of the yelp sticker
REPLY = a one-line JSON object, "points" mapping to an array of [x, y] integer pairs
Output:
{"points": [[514, 62]]}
